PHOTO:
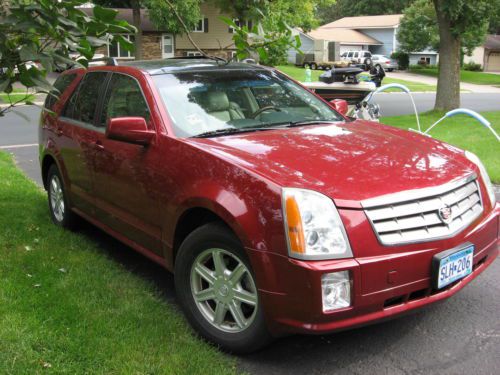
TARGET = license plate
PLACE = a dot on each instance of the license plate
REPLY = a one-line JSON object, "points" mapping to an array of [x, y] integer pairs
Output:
{"points": [[452, 265]]}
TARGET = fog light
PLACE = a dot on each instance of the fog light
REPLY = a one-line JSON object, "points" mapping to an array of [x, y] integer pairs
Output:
{"points": [[336, 290]]}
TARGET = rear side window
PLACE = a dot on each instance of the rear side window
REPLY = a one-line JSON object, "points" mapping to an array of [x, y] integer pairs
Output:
{"points": [[123, 99], [60, 85], [82, 105]]}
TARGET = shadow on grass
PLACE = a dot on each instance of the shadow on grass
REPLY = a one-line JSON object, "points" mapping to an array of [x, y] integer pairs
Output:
{"points": [[131, 260]]}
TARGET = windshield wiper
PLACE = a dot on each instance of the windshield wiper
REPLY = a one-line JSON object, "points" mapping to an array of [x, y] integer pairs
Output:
{"points": [[291, 124], [214, 133]]}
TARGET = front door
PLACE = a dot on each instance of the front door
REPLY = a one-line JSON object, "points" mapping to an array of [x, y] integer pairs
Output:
{"points": [[167, 45], [124, 178]]}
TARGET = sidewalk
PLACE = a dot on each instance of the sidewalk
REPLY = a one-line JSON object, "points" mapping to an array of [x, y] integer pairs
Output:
{"points": [[433, 81]]}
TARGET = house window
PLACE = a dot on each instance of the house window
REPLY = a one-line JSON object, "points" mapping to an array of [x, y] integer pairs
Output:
{"points": [[200, 26], [425, 60], [193, 53], [239, 23], [115, 50]]}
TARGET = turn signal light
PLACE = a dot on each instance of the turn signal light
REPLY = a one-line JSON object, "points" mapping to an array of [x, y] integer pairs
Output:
{"points": [[294, 222]]}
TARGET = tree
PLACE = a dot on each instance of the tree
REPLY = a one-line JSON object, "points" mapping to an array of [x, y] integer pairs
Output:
{"points": [[451, 27], [48, 31], [348, 8]]}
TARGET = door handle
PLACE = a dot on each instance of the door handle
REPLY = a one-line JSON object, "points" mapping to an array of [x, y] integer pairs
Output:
{"points": [[98, 145]]}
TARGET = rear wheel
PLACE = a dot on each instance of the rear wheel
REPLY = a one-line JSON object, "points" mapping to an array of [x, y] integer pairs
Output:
{"points": [[314, 66], [306, 65], [60, 211], [216, 289]]}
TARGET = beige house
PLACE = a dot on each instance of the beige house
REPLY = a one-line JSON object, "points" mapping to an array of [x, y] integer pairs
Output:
{"points": [[487, 55], [211, 34]]}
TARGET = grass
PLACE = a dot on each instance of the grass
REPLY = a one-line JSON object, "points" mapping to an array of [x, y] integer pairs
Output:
{"points": [[478, 78], [15, 96], [67, 308], [461, 131], [300, 75]]}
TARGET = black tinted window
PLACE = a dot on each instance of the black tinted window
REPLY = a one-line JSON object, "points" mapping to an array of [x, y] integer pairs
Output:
{"points": [[60, 85], [83, 103], [124, 99]]}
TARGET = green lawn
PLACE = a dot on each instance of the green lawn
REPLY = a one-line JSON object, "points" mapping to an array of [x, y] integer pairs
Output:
{"points": [[15, 96], [478, 78], [461, 131], [300, 75], [67, 308]]}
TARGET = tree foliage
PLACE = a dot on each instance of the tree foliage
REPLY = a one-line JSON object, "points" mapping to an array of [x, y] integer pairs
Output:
{"points": [[162, 17], [348, 8], [48, 31], [469, 23]]}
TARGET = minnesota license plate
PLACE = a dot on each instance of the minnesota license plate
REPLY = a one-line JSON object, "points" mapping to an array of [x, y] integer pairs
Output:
{"points": [[452, 265]]}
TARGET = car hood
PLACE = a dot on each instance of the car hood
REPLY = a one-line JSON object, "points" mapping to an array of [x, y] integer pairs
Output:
{"points": [[349, 162]]}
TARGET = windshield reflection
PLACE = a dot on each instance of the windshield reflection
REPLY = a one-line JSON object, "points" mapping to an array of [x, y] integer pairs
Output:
{"points": [[211, 102]]}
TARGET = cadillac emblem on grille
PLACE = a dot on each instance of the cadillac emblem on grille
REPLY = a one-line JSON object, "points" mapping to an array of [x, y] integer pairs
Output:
{"points": [[444, 214]]}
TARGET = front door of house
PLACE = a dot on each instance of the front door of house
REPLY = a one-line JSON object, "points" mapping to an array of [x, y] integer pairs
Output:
{"points": [[167, 45]]}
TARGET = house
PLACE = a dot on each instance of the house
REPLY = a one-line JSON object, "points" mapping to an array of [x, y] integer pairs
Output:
{"points": [[378, 34], [211, 35], [306, 46], [487, 55]]}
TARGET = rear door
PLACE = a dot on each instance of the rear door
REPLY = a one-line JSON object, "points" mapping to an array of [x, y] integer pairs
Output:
{"points": [[125, 178], [78, 139]]}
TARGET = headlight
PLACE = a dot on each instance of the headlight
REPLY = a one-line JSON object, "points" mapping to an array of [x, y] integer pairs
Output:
{"points": [[489, 187], [313, 226]]}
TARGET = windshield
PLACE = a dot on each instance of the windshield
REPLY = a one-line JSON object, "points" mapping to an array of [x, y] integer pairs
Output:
{"points": [[212, 101]]}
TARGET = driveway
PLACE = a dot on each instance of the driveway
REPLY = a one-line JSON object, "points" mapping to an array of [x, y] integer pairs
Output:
{"points": [[412, 77], [458, 336]]}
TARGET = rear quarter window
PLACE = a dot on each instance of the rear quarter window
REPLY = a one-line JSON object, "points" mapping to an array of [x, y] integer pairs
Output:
{"points": [[60, 85]]}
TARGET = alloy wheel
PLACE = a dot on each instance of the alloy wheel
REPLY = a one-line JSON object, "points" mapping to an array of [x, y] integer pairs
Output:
{"points": [[56, 198], [224, 290]]}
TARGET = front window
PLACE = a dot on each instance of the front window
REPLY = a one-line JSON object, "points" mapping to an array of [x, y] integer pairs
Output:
{"points": [[237, 100], [115, 50], [200, 26]]}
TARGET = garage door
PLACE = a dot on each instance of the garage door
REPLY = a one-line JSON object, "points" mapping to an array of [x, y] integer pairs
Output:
{"points": [[493, 62]]}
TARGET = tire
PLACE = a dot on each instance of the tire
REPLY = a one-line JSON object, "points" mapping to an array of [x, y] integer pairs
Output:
{"points": [[201, 248], [314, 66], [390, 69], [59, 208], [306, 65]]}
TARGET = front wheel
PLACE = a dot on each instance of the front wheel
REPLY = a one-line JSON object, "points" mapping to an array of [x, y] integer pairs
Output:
{"points": [[217, 290], [60, 211]]}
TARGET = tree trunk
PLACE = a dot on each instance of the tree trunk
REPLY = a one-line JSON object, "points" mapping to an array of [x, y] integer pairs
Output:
{"points": [[448, 86], [136, 19]]}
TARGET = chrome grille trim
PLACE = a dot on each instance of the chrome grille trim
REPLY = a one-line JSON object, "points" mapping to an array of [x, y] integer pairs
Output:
{"points": [[412, 216]]}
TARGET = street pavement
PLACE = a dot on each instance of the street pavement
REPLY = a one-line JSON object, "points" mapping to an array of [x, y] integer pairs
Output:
{"points": [[420, 78], [458, 336]]}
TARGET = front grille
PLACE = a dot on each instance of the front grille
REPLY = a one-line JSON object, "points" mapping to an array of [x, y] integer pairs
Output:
{"points": [[414, 216]]}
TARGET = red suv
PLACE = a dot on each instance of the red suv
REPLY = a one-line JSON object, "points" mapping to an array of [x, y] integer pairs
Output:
{"points": [[276, 213]]}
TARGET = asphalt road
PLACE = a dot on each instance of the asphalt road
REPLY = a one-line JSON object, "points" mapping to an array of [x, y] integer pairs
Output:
{"points": [[458, 336]]}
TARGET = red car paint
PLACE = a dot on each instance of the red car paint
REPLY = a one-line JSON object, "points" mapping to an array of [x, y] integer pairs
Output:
{"points": [[141, 195]]}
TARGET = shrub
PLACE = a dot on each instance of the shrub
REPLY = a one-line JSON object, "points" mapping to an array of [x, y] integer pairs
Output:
{"points": [[473, 67], [402, 58]]}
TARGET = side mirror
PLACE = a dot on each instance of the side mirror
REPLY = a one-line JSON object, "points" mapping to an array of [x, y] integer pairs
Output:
{"points": [[129, 129], [340, 105]]}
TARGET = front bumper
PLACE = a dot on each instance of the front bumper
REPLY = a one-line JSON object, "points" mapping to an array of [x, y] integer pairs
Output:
{"points": [[383, 286]]}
